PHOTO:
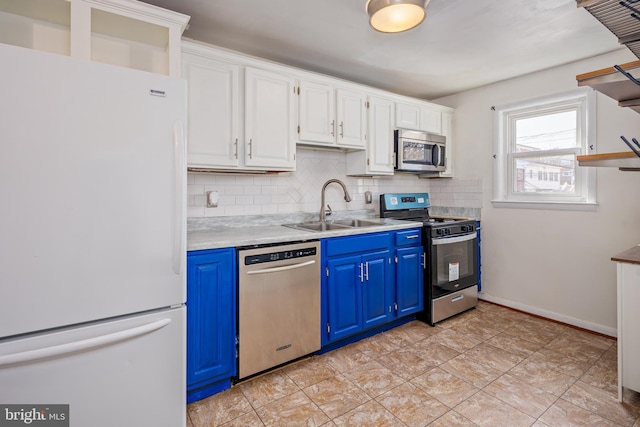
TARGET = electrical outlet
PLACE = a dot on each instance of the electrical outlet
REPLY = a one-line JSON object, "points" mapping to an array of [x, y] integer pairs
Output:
{"points": [[212, 199]]}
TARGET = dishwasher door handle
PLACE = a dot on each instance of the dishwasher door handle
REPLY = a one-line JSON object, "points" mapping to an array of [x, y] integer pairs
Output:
{"points": [[283, 268]]}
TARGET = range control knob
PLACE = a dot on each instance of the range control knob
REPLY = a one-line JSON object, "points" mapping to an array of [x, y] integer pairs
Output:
{"points": [[463, 228]]}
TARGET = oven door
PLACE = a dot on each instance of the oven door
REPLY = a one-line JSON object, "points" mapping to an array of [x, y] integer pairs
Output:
{"points": [[454, 262]]}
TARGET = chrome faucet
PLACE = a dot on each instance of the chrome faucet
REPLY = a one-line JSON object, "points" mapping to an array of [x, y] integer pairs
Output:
{"points": [[347, 197]]}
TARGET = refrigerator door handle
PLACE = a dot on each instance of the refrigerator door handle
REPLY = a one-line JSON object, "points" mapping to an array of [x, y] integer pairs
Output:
{"points": [[179, 236], [82, 345]]}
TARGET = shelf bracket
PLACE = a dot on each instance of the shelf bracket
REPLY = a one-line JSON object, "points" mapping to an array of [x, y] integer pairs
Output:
{"points": [[627, 75]]}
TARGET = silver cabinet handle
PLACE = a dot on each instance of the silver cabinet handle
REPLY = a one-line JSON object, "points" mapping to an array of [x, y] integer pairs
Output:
{"points": [[366, 271], [333, 128], [424, 259], [415, 236], [236, 146], [283, 268], [342, 129], [250, 148], [361, 273]]}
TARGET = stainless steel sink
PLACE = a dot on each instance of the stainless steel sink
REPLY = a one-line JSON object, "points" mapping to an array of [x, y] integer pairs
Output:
{"points": [[341, 224], [317, 226], [358, 222]]}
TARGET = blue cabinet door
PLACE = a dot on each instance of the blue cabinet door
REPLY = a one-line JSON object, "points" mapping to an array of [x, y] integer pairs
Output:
{"points": [[344, 299], [377, 308], [409, 280], [211, 321]]}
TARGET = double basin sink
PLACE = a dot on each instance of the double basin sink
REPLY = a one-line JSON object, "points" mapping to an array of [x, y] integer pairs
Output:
{"points": [[340, 224]]}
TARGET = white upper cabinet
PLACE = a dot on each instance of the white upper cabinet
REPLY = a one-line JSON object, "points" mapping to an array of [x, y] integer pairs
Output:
{"points": [[214, 111], [424, 117], [270, 117], [126, 33], [331, 117], [378, 157], [316, 113], [351, 119], [240, 118]]}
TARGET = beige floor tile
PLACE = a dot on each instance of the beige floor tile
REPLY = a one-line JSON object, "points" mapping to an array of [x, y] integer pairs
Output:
{"points": [[219, 408], [189, 423], [513, 344], [452, 419], [293, 410], [376, 346], [346, 358], [336, 395], [561, 362], [603, 374], [373, 378], [522, 396], [579, 349], [267, 388], [530, 332], [540, 375], [485, 410], [434, 351], [601, 402], [563, 414], [247, 420], [445, 387], [410, 333], [497, 358], [310, 371], [406, 363], [453, 339], [472, 369], [478, 328], [367, 415], [411, 405]]}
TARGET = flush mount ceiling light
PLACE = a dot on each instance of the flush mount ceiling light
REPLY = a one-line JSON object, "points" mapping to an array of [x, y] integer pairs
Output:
{"points": [[395, 16]]}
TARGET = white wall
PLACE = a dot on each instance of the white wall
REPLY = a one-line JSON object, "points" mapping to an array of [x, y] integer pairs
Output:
{"points": [[553, 263], [299, 191]]}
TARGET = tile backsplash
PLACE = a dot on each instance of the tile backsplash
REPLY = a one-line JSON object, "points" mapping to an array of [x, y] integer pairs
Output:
{"points": [[299, 191]]}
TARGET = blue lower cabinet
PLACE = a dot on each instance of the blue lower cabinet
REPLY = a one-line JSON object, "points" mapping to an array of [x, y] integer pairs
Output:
{"points": [[211, 322], [356, 284], [369, 281], [409, 280]]}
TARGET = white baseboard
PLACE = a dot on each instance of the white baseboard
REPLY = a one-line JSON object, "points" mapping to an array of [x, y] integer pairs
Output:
{"points": [[612, 332]]}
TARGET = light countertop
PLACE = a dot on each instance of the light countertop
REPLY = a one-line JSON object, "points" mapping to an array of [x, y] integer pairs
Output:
{"points": [[224, 236]]}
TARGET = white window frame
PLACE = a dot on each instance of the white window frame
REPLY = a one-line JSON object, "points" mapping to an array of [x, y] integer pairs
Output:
{"points": [[583, 100]]}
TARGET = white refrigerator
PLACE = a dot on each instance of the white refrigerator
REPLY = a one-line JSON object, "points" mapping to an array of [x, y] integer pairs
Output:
{"points": [[92, 240]]}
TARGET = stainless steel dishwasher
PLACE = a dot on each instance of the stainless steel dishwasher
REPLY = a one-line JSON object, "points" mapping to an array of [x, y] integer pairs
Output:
{"points": [[279, 305]]}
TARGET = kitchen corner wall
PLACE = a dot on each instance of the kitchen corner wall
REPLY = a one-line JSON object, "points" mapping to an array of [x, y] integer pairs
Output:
{"points": [[299, 191]]}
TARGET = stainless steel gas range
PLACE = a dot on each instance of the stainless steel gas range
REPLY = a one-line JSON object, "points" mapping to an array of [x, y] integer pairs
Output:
{"points": [[451, 270]]}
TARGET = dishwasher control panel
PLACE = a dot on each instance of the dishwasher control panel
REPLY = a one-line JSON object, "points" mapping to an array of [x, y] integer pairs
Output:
{"points": [[278, 256]]}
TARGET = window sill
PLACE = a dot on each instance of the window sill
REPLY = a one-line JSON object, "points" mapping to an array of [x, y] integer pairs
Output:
{"points": [[555, 206]]}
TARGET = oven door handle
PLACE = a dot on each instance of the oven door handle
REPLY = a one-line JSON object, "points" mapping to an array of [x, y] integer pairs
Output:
{"points": [[450, 240]]}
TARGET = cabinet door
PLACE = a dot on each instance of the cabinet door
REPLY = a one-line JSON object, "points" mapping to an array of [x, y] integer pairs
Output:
{"points": [[211, 317], [344, 286], [316, 113], [430, 120], [409, 281], [213, 106], [447, 130], [380, 147], [351, 118], [407, 116], [270, 120], [375, 291]]}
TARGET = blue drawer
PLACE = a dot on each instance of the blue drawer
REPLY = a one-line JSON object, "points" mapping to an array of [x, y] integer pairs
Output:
{"points": [[361, 243], [409, 237]]}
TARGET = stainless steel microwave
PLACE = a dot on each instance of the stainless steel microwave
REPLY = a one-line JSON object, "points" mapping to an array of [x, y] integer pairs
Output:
{"points": [[419, 152]]}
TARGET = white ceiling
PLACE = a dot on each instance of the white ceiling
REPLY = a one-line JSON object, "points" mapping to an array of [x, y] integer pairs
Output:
{"points": [[462, 44]]}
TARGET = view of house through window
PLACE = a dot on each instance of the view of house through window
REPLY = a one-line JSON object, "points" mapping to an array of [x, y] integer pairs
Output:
{"points": [[536, 170]]}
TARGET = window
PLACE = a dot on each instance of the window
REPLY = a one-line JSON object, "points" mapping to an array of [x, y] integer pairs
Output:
{"points": [[536, 145]]}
